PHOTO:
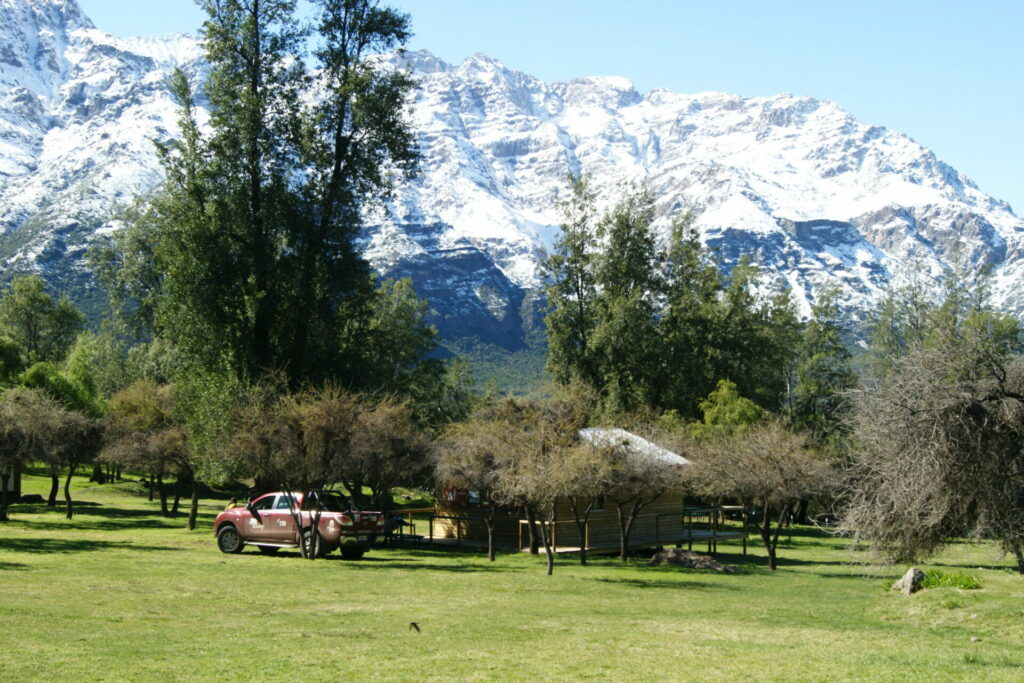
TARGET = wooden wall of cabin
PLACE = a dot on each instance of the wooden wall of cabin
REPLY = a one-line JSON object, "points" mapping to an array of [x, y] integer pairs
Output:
{"points": [[662, 519]]}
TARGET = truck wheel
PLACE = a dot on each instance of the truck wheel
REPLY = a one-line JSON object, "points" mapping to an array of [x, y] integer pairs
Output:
{"points": [[352, 552], [229, 540], [307, 541], [268, 549]]}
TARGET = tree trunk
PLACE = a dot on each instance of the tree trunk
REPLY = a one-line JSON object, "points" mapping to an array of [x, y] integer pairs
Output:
{"points": [[581, 527], [97, 474], [51, 501], [531, 527], [193, 511], [1018, 552], [489, 520], [622, 532], [545, 534], [771, 540], [177, 494], [5, 475], [150, 485], [163, 495], [70, 510], [800, 514], [626, 526]]}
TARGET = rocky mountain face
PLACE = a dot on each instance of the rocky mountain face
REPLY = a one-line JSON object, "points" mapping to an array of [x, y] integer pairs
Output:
{"points": [[810, 193]]}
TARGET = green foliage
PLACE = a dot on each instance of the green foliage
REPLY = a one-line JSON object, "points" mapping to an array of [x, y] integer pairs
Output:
{"points": [[30, 317], [12, 361], [246, 259], [571, 291], [939, 579], [206, 403], [726, 413], [76, 393], [824, 375], [918, 313], [658, 328]]}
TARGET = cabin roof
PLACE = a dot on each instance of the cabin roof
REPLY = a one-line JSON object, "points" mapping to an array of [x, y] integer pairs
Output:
{"points": [[634, 445]]}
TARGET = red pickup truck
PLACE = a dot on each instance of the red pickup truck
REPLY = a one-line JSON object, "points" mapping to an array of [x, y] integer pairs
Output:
{"points": [[269, 523]]}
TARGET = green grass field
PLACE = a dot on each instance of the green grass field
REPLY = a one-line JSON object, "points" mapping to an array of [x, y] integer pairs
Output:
{"points": [[120, 593]]}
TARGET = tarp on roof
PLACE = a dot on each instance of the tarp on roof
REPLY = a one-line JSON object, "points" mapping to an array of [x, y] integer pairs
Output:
{"points": [[631, 443]]}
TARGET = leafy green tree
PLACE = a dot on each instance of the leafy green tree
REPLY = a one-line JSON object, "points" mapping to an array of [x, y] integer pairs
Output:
{"points": [[12, 361], [571, 291], [687, 327], [30, 317], [755, 337], [246, 260], [624, 338], [824, 375], [726, 412]]}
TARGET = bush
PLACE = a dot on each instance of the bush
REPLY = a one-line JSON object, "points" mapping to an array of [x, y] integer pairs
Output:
{"points": [[937, 579]]}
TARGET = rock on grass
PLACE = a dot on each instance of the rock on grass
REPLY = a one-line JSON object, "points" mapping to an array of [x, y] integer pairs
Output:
{"points": [[684, 558]]}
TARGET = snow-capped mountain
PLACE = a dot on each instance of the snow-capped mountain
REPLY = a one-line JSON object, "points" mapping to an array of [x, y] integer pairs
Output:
{"points": [[814, 195]]}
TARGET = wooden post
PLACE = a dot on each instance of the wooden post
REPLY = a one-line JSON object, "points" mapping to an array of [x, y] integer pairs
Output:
{"points": [[519, 535], [586, 535], [744, 529], [689, 526]]}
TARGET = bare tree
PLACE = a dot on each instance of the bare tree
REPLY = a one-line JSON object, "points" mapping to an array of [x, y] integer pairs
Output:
{"points": [[583, 477], [473, 456], [941, 448], [27, 421], [512, 451], [388, 449], [767, 467], [35, 427], [299, 441], [144, 433], [637, 477]]}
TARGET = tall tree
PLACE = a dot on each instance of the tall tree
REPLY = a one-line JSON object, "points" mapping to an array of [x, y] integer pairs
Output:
{"points": [[625, 336], [571, 291], [692, 288], [824, 375], [247, 258]]}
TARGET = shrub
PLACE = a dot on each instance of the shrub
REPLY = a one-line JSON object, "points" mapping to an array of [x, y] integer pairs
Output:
{"points": [[937, 579]]}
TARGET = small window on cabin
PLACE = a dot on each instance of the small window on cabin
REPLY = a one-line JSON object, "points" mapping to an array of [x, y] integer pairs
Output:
{"points": [[598, 504], [474, 497]]}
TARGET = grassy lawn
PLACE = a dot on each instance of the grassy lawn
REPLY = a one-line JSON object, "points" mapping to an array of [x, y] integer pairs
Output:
{"points": [[121, 593]]}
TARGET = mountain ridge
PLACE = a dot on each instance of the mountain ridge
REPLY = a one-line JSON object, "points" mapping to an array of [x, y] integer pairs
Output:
{"points": [[815, 196]]}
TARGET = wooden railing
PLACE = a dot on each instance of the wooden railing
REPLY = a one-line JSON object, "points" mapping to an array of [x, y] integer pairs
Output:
{"points": [[711, 518]]}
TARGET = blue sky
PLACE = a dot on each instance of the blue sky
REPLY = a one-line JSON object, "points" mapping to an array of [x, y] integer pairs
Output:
{"points": [[948, 74]]}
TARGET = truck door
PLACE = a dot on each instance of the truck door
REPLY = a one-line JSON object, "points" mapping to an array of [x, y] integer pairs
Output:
{"points": [[280, 525], [257, 526]]}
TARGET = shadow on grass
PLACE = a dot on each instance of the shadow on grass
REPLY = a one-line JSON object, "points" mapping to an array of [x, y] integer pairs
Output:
{"points": [[376, 562], [675, 585], [12, 566], [110, 518], [61, 545]]}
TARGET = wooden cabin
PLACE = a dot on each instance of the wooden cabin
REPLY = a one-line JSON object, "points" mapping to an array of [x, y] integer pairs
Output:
{"points": [[459, 515]]}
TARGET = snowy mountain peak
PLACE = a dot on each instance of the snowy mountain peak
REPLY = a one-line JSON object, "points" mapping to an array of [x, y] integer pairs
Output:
{"points": [[815, 196]]}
